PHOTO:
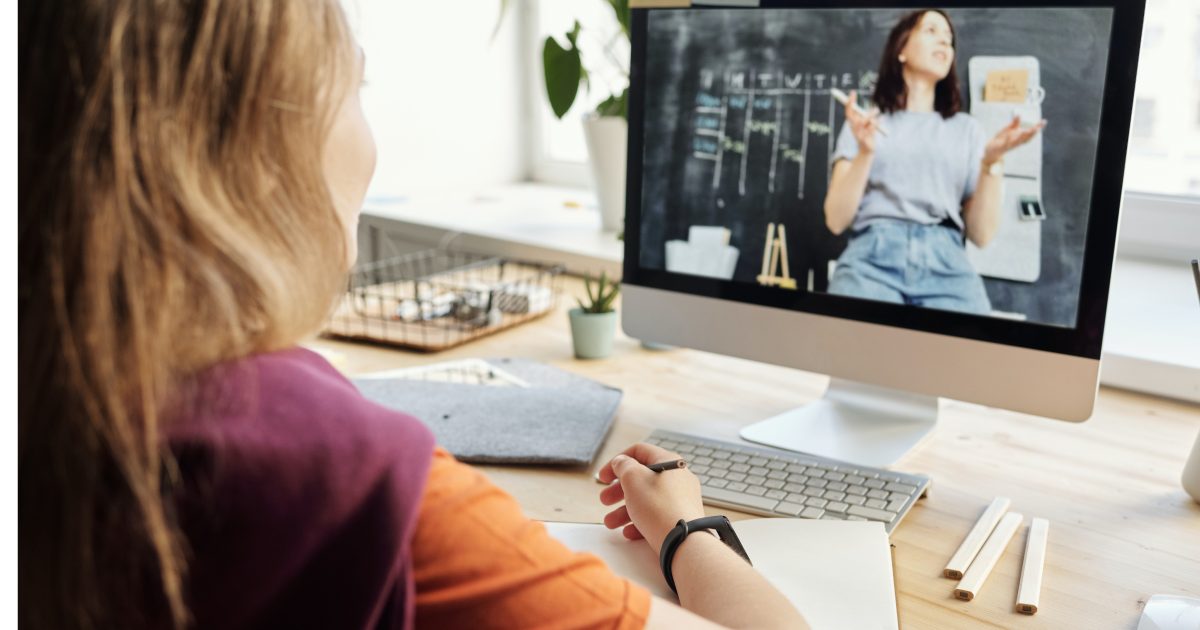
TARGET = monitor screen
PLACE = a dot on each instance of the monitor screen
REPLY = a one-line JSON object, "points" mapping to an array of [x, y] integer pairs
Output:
{"points": [[936, 159]]}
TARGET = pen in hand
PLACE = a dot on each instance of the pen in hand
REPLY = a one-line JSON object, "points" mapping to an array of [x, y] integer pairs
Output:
{"points": [[671, 465]]}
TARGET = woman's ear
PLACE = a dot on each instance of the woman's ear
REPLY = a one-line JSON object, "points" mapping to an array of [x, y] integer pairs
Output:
{"points": [[903, 59]]}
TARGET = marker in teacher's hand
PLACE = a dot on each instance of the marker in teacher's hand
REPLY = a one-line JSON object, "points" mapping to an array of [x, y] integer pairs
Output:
{"points": [[671, 465], [844, 100]]}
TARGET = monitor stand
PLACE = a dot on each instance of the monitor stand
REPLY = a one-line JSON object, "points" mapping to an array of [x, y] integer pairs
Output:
{"points": [[853, 422]]}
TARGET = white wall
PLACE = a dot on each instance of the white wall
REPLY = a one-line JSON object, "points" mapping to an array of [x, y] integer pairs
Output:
{"points": [[445, 100]]}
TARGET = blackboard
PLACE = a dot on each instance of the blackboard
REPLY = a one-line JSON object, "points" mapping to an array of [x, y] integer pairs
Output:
{"points": [[708, 70]]}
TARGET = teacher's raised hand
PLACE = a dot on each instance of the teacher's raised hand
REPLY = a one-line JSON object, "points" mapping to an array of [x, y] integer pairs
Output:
{"points": [[862, 126], [1008, 139]]}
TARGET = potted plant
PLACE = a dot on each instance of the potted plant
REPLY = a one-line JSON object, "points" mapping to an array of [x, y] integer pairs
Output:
{"points": [[594, 325], [605, 129]]}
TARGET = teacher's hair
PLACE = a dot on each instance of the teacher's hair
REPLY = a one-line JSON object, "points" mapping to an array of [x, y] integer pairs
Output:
{"points": [[891, 93], [173, 214]]}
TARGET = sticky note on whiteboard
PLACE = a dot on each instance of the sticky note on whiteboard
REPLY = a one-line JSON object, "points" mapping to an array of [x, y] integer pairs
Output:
{"points": [[1006, 86]]}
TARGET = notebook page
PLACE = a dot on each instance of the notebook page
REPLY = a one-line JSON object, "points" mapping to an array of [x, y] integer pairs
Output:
{"points": [[838, 574]]}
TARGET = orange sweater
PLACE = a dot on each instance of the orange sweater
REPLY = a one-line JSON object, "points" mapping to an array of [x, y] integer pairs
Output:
{"points": [[480, 564]]}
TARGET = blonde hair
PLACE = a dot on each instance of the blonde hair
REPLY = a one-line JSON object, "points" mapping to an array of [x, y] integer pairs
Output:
{"points": [[173, 215]]}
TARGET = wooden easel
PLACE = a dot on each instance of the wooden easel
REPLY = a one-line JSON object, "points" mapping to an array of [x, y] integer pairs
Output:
{"points": [[773, 253]]}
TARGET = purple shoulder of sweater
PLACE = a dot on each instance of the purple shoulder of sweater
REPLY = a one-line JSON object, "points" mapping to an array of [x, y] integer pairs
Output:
{"points": [[298, 497]]}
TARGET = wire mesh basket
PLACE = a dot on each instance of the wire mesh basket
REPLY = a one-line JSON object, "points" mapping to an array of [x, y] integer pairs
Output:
{"points": [[438, 299]]}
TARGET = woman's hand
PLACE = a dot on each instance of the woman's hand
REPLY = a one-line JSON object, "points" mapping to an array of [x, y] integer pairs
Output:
{"points": [[654, 502], [863, 126], [1008, 139]]}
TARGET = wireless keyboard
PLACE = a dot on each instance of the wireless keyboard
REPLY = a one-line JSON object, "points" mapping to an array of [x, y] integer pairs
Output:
{"points": [[774, 482]]}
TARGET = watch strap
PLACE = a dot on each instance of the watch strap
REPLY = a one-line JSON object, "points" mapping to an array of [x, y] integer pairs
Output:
{"points": [[720, 524]]}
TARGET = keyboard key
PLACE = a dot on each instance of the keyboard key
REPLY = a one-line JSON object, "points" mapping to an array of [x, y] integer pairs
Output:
{"points": [[758, 461], [717, 473], [815, 502], [897, 496], [704, 450], [900, 487], [830, 517], [855, 518], [876, 504], [874, 483], [791, 509], [874, 515], [721, 494], [776, 494], [835, 476], [721, 454], [668, 444], [757, 491], [837, 506], [760, 471], [773, 483], [855, 480], [777, 474], [717, 483], [890, 478], [817, 483], [800, 479], [813, 492], [755, 480], [794, 487], [740, 458], [856, 490], [739, 468], [795, 498], [736, 487], [816, 473], [777, 465], [796, 468], [735, 476], [853, 500], [684, 448], [833, 495], [837, 486], [702, 460], [896, 506], [721, 463], [877, 494], [703, 479], [699, 470], [812, 512]]}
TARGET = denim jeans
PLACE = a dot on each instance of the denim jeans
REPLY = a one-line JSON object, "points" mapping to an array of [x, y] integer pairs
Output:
{"points": [[910, 263]]}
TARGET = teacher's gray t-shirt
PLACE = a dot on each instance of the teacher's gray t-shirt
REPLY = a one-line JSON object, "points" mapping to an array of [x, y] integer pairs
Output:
{"points": [[923, 169]]}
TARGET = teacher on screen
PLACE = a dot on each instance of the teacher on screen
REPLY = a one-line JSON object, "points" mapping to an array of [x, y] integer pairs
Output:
{"points": [[911, 196]]}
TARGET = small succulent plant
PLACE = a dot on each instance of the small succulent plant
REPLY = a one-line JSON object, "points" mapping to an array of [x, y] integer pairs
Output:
{"points": [[602, 301]]}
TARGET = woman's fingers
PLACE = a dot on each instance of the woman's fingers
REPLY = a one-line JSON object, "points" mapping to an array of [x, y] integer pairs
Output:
{"points": [[617, 518], [632, 532], [642, 452], [613, 494]]}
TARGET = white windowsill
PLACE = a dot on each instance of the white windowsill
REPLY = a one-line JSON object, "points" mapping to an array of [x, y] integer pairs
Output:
{"points": [[1152, 333]]}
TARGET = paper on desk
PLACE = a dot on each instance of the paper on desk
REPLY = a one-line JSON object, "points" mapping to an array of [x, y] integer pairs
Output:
{"points": [[838, 574]]}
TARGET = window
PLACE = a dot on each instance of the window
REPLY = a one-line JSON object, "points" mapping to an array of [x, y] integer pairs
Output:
{"points": [[1143, 118]]}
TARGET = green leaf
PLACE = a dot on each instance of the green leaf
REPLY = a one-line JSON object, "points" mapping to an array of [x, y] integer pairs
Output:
{"points": [[587, 286], [615, 105], [564, 70]]}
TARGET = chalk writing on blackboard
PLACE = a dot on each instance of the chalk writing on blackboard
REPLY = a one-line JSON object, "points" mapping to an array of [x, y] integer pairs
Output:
{"points": [[758, 100]]}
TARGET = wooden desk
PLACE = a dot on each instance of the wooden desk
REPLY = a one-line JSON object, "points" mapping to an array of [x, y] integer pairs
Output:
{"points": [[1122, 528]]}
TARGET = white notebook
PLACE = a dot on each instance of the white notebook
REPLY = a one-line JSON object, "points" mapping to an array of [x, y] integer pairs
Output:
{"points": [[838, 574]]}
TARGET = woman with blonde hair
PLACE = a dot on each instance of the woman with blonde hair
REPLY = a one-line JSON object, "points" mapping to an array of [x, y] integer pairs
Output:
{"points": [[190, 180]]}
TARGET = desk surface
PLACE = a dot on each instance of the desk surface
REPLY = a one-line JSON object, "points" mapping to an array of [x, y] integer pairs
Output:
{"points": [[1121, 527]]}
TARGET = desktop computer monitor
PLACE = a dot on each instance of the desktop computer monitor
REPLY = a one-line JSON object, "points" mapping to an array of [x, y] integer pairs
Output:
{"points": [[949, 246]]}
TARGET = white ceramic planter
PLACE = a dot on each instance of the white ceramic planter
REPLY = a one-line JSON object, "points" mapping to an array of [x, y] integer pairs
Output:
{"points": [[607, 140], [592, 334]]}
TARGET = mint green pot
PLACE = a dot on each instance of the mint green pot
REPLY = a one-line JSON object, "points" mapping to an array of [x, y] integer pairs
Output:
{"points": [[592, 333]]}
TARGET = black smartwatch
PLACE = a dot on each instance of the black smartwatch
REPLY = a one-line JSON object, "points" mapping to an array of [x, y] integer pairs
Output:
{"points": [[719, 524]]}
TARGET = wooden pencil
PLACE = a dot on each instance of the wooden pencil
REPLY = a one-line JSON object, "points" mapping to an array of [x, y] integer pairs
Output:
{"points": [[978, 572], [1031, 568], [974, 542]]}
